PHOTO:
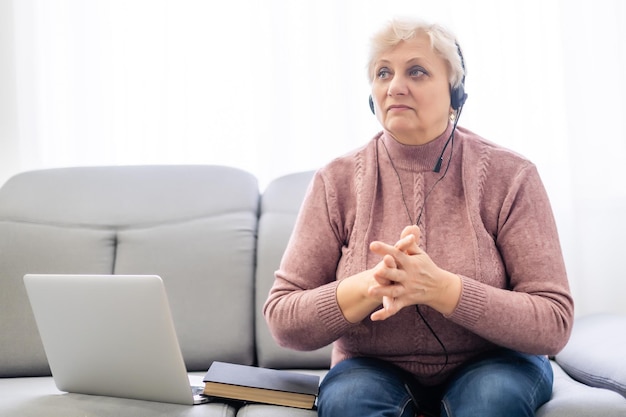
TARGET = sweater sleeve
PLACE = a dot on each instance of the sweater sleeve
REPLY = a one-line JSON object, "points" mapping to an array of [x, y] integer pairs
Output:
{"points": [[302, 310], [534, 314]]}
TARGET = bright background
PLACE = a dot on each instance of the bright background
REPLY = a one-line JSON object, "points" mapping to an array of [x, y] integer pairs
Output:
{"points": [[275, 87]]}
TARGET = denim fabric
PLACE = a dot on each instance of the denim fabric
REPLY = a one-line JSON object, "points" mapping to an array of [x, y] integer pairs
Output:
{"points": [[503, 383], [364, 387], [508, 384]]}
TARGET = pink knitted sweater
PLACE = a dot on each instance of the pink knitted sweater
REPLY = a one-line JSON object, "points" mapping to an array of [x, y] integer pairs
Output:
{"points": [[489, 221]]}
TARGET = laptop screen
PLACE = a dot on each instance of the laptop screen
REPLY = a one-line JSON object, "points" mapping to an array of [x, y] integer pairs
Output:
{"points": [[109, 335]]}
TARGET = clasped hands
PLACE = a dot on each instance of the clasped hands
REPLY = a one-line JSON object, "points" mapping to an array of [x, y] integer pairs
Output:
{"points": [[407, 276]]}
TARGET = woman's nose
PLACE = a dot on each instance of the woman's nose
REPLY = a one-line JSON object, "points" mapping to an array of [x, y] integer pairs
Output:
{"points": [[397, 85]]}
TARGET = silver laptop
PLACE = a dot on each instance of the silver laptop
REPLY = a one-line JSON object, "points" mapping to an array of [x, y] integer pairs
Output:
{"points": [[111, 335]]}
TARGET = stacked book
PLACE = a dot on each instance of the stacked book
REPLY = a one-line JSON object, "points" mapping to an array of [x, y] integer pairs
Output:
{"points": [[261, 385]]}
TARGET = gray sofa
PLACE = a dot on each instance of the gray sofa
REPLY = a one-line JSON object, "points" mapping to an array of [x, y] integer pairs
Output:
{"points": [[216, 240]]}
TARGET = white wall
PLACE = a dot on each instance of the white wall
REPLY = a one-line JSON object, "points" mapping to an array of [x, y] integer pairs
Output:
{"points": [[279, 86], [9, 148]]}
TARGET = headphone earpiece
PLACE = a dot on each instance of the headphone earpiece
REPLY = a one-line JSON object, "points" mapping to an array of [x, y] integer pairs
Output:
{"points": [[371, 100], [458, 95]]}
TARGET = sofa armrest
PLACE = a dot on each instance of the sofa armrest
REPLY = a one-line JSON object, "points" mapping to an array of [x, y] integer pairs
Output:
{"points": [[595, 354]]}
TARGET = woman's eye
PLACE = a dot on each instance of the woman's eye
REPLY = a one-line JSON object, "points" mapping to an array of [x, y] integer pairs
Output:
{"points": [[417, 72], [383, 73]]}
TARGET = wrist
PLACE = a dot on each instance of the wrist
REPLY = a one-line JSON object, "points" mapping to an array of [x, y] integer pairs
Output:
{"points": [[353, 297], [450, 294]]}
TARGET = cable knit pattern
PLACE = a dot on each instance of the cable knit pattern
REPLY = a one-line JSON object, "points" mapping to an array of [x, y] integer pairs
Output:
{"points": [[361, 212], [482, 166], [488, 220], [418, 198]]}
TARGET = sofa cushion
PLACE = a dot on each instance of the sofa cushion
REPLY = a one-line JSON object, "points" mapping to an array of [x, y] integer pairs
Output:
{"points": [[595, 354], [262, 410], [39, 248], [571, 398], [279, 208], [36, 397], [195, 226]]}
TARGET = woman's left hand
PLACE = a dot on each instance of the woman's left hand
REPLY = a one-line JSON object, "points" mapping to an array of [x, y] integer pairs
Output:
{"points": [[407, 276]]}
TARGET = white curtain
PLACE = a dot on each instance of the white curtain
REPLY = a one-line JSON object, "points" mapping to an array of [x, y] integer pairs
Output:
{"points": [[275, 87]]}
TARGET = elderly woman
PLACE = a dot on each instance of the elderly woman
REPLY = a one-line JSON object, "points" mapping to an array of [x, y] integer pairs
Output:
{"points": [[429, 256]]}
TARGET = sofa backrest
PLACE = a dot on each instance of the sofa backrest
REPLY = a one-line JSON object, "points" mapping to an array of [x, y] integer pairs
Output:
{"points": [[195, 226], [280, 204]]}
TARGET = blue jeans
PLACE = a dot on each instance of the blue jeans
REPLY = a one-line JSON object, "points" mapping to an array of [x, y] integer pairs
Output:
{"points": [[504, 383]]}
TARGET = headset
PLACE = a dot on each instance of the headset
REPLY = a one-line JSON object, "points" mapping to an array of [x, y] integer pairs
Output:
{"points": [[457, 100], [458, 94]]}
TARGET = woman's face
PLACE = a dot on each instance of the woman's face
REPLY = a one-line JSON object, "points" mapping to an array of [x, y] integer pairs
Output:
{"points": [[411, 91]]}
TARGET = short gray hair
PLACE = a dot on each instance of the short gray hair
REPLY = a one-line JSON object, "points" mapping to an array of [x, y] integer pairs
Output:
{"points": [[442, 41]]}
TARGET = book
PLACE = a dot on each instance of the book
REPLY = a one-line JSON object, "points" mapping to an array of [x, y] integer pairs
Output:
{"points": [[261, 385]]}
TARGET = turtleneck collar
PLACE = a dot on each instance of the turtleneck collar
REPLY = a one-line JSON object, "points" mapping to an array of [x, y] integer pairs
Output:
{"points": [[416, 158]]}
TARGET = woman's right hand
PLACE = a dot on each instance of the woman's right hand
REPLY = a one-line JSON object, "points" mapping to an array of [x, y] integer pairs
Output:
{"points": [[353, 293]]}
